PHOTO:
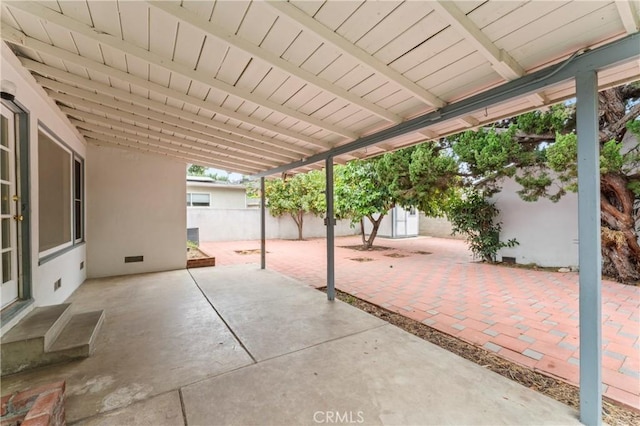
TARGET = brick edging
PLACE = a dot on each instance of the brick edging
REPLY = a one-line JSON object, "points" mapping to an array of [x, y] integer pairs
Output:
{"points": [[39, 406], [201, 263]]}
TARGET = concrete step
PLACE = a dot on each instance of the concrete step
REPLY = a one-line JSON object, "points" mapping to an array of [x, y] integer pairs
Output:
{"points": [[45, 323], [22, 347], [79, 336], [49, 335]]}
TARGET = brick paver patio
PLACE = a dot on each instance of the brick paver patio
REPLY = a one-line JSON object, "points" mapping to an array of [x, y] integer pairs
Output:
{"points": [[529, 317]]}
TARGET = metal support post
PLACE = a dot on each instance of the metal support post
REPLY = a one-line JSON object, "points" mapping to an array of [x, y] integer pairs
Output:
{"points": [[263, 215], [590, 255], [330, 221]]}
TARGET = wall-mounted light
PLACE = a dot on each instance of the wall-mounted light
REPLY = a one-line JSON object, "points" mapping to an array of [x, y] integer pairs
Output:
{"points": [[8, 90]]}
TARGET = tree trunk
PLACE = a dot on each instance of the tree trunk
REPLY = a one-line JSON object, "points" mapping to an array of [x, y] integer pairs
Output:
{"points": [[374, 232], [364, 239], [620, 248], [298, 218]]}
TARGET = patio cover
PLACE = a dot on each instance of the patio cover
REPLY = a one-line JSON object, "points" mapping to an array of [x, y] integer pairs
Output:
{"points": [[269, 86], [252, 86]]}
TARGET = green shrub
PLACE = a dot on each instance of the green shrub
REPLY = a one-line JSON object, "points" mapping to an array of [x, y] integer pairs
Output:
{"points": [[474, 217]]}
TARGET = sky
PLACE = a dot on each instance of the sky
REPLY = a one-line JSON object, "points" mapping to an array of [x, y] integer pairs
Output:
{"points": [[233, 177]]}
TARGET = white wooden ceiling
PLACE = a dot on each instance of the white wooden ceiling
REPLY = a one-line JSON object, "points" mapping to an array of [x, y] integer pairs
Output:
{"points": [[246, 86]]}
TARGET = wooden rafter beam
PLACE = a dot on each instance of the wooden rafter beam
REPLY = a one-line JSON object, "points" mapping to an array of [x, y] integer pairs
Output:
{"points": [[469, 121], [307, 23], [272, 59], [538, 99], [64, 92], [117, 43], [15, 36], [196, 122], [133, 140], [500, 60], [122, 130], [110, 122], [628, 15], [430, 134], [163, 153]]}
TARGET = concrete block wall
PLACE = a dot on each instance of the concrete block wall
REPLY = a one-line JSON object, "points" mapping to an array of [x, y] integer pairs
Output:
{"points": [[438, 227], [244, 224]]}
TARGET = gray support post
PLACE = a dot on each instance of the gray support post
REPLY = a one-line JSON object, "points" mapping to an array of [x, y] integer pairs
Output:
{"points": [[330, 222], [590, 255], [263, 233]]}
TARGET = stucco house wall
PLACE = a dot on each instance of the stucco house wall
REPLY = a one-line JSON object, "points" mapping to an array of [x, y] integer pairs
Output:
{"points": [[42, 111], [137, 208], [547, 231]]}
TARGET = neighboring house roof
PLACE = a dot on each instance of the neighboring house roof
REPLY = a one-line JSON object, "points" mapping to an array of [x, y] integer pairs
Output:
{"points": [[203, 181], [199, 179]]}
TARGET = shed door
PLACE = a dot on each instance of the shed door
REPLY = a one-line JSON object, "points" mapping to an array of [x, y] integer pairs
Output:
{"points": [[401, 222], [412, 222]]}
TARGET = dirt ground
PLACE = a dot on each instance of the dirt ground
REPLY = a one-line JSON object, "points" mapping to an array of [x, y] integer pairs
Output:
{"points": [[613, 414], [194, 253]]}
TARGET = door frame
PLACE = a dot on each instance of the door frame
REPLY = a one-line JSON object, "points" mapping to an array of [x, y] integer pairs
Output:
{"points": [[21, 119], [10, 277]]}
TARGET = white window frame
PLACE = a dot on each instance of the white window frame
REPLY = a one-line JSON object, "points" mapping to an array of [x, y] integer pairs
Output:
{"points": [[81, 200], [190, 202], [73, 157]]}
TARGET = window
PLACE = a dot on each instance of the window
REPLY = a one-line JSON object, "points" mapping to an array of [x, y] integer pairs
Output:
{"points": [[60, 195], [198, 200], [54, 178], [78, 199]]}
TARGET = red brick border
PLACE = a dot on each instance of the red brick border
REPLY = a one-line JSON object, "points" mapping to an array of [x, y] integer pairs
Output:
{"points": [[201, 263], [39, 406]]}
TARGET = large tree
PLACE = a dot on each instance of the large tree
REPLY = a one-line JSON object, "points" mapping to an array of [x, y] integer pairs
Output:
{"points": [[195, 170], [297, 195], [538, 149], [425, 176], [360, 192], [554, 172]]}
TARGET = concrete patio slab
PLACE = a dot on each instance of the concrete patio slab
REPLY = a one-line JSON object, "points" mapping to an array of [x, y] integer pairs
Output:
{"points": [[379, 376], [230, 287], [159, 334], [526, 316], [273, 315], [166, 355], [161, 410]]}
